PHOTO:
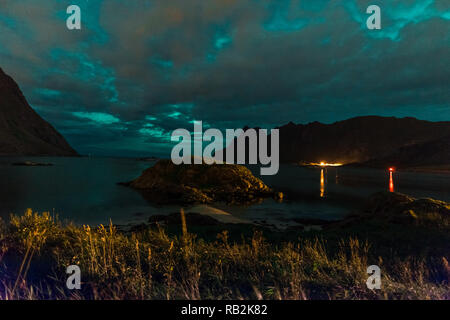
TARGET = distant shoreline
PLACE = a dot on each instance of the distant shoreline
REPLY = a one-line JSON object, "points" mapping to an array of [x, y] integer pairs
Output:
{"points": [[438, 169], [425, 169]]}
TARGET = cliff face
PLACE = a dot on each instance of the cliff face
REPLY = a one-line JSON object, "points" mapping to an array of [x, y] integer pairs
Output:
{"points": [[358, 140], [22, 130]]}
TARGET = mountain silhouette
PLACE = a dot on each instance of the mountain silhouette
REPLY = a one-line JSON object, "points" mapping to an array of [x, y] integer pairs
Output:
{"points": [[22, 130], [434, 153], [363, 139], [369, 140]]}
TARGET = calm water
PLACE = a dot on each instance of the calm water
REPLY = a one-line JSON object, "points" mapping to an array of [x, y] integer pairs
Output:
{"points": [[84, 190]]}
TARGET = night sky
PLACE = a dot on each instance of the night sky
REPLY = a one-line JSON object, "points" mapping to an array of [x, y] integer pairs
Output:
{"points": [[140, 69]]}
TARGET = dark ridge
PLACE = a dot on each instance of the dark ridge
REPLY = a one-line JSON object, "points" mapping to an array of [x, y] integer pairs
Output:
{"points": [[22, 130]]}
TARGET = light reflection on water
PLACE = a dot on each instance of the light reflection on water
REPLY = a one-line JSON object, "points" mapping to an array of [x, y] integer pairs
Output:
{"points": [[324, 178], [85, 191], [322, 184], [391, 182]]}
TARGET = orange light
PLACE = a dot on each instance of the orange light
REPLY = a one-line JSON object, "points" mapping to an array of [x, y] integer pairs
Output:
{"points": [[322, 184], [325, 164], [391, 169]]}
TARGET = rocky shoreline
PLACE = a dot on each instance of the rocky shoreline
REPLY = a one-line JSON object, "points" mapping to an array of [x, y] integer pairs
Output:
{"points": [[383, 209]]}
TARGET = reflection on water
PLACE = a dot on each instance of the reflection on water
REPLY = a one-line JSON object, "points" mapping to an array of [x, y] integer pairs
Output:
{"points": [[322, 184], [324, 176], [85, 190], [391, 182]]}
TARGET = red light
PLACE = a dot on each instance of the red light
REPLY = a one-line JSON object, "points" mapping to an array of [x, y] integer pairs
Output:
{"points": [[391, 169]]}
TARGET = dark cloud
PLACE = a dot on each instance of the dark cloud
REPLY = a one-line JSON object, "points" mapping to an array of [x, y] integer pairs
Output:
{"points": [[157, 65]]}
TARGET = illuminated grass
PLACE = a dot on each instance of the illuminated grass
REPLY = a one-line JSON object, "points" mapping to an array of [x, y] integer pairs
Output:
{"points": [[151, 264]]}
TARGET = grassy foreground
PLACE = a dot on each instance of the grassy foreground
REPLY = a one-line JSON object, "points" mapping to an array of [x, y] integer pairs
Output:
{"points": [[35, 250]]}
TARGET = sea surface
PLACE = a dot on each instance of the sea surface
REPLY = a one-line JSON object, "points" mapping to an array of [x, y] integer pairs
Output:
{"points": [[85, 191]]}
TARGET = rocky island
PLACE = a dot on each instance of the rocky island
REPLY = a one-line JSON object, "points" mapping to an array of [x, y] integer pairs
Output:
{"points": [[32, 164], [202, 183]]}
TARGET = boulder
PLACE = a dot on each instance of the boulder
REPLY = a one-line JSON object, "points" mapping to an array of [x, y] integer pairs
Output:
{"points": [[387, 207]]}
